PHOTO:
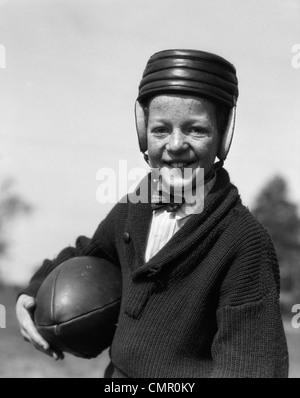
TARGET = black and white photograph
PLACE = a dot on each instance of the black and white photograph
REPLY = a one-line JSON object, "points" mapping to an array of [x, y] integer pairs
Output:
{"points": [[150, 191]]}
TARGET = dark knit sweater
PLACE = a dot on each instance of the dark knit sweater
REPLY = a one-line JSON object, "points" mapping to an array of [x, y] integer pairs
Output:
{"points": [[206, 305]]}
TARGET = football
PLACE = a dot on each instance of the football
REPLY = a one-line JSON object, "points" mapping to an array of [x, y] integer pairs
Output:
{"points": [[78, 304]]}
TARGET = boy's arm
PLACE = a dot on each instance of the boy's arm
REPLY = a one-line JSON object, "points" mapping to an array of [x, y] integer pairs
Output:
{"points": [[250, 341], [102, 244]]}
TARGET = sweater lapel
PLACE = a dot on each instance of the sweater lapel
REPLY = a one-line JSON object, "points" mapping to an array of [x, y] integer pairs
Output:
{"points": [[139, 220], [219, 201]]}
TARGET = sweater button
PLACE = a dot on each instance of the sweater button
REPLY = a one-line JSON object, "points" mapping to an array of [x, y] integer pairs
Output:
{"points": [[126, 237]]}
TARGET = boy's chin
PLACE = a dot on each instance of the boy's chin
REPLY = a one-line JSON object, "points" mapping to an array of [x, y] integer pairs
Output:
{"points": [[178, 180], [178, 184]]}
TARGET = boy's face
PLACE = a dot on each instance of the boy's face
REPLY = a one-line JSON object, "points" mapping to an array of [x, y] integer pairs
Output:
{"points": [[182, 133]]}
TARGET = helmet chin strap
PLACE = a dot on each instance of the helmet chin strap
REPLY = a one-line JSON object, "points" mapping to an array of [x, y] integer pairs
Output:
{"points": [[215, 168], [146, 158]]}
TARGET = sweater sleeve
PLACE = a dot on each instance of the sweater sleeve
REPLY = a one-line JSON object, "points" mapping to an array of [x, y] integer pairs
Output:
{"points": [[102, 244], [250, 340]]}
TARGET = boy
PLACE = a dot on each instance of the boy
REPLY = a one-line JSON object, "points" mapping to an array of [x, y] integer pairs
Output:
{"points": [[200, 279]]}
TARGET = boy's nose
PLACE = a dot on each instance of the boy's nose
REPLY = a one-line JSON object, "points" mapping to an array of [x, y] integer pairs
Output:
{"points": [[176, 142]]}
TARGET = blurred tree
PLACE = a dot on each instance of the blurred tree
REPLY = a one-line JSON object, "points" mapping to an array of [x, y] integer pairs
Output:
{"points": [[11, 206], [280, 217]]}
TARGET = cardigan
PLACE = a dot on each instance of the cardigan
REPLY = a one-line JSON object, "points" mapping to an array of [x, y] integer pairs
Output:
{"points": [[206, 305], [165, 224]]}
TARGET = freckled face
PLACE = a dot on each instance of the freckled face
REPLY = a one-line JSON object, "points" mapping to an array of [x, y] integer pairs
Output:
{"points": [[182, 133]]}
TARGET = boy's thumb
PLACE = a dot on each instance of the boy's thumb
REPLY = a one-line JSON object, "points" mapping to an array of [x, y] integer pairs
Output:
{"points": [[29, 303]]}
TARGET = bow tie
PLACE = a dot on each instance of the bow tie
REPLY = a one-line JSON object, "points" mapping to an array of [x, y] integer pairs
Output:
{"points": [[170, 206], [161, 199]]}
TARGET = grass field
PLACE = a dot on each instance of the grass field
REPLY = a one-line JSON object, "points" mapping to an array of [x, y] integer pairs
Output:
{"points": [[19, 359]]}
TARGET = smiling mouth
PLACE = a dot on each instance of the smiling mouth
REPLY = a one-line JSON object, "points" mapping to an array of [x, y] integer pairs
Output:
{"points": [[179, 165]]}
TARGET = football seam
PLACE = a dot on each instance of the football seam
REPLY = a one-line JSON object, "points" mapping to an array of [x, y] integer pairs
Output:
{"points": [[87, 313], [68, 346], [53, 294]]}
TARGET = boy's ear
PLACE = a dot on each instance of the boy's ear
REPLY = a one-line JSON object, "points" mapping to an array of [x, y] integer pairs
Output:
{"points": [[141, 127], [228, 135]]}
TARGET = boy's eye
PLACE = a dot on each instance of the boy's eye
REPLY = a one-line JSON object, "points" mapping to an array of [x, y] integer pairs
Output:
{"points": [[160, 130], [197, 131]]}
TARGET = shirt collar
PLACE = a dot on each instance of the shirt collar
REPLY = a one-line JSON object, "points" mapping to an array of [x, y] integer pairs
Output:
{"points": [[187, 209]]}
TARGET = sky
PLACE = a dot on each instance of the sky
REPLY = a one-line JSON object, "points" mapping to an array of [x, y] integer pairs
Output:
{"points": [[67, 96]]}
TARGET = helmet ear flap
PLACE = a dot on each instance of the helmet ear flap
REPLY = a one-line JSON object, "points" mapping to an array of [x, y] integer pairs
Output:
{"points": [[141, 127], [228, 135]]}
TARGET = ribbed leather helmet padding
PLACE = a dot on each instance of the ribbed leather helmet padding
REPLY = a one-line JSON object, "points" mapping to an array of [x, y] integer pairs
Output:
{"points": [[190, 72]]}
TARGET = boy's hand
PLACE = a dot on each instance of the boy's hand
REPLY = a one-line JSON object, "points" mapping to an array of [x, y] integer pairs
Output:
{"points": [[24, 310]]}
